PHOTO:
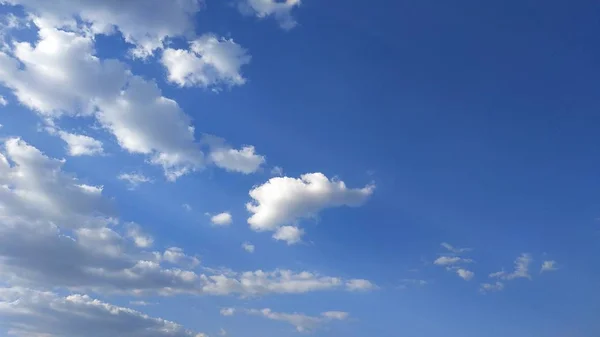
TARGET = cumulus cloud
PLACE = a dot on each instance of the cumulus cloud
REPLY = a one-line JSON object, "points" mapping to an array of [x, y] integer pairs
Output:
{"points": [[34, 187], [244, 160], [222, 219], [175, 255], [134, 179], [81, 145], [209, 62], [290, 234], [3, 101], [144, 23], [360, 285], [302, 322], [465, 274], [548, 266], [27, 312], [281, 10], [247, 246], [283, 201], [521, 269]]}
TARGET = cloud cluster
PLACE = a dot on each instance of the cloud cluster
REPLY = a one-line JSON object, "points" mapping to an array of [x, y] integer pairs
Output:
{"points": [[35, 313], [144, 23], [453, 262], [209, 62], [521, 270], [281, 202]]}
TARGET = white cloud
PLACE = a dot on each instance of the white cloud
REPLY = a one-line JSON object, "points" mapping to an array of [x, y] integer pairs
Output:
{"points": [[548, 266], [60, 74], [34, 188], [81, 145], [145, 122], [450, 260], [28, 312], [3, 101], [453, 249], [222, 219], [281, 10], [210, 62], [143, 23], [247, 246], [140, 303], [284, 201], [227, 311], [290, 234], [175, 255], [134, 179], [521, 269], [141, 240], [491, 287], [245, 160], [360, 285], [465, 274], [302, 322]]}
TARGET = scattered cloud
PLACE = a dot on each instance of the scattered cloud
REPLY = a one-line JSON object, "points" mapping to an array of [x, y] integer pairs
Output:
{"points": [[247, 246], [283, 201], [548, 266], [281, 10], [227, 311], [290, 234], [521, 269], [140, 239], [465, 274], [146, 24], [450, 260], [34, 313], [209, 62], [140, 303], [302, 322], [81, 145], [187, 207], [277, 171], [134, 179], [222, 219], [360, 285], [175, 255], [455, 250], [491, 287], [244, 160], [3, 101]]}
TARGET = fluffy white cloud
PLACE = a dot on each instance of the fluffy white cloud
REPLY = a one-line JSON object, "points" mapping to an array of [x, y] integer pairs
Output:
{"points": [[145, 122], [360, 285], [3, 101], [283, 201], [548, 266], [247, 246], [281, 10], [60, 74], [302, 322], [244, 160], [143, 23], [222, 219], [290, 234], [81, 145], [209, 62], [521, 269], [134, 179], [465, 274], [34, 188], [491, 287], [28, 312], [175, 255]]}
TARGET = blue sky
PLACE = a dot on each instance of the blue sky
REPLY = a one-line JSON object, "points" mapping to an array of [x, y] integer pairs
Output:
{"points": [[285, 168]]}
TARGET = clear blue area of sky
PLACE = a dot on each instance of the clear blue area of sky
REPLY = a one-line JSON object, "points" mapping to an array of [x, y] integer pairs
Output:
{"points": [[477, 120]]}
